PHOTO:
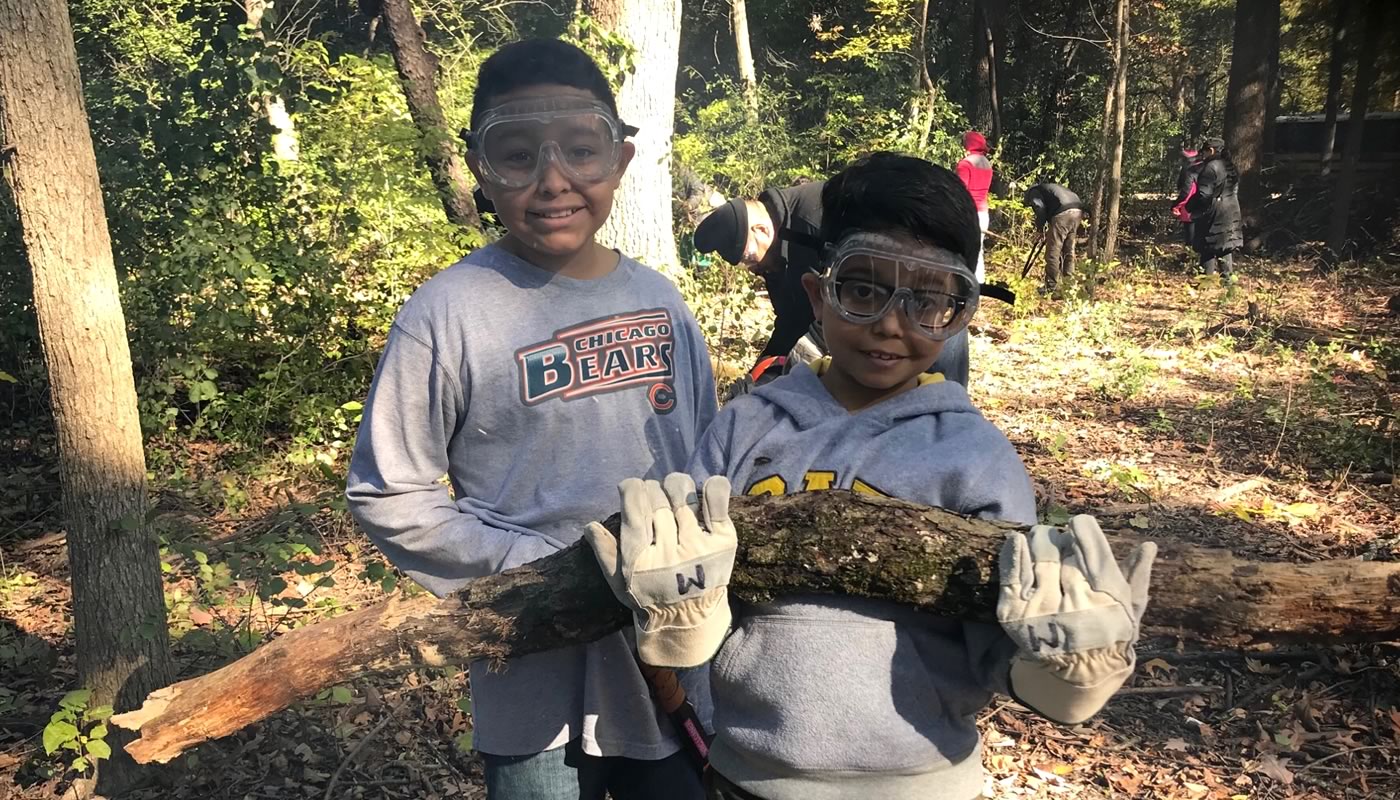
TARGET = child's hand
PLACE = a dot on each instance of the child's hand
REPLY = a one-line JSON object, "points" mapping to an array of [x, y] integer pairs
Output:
{"points": [[1073, 615], [672, 572]]}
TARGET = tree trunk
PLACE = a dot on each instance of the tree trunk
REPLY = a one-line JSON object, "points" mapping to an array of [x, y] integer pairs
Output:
{"points": [[1337, 61], [1105, 151], [417, 70], [1055, 98], [1120, 118], [641, 223], [747, 75], [1179, 85], [284, 142], [980, 100], [994, 12], [834, 542], [923, 95], [1372, 28], [118, 604], [1247, 100], [1200, 103]]}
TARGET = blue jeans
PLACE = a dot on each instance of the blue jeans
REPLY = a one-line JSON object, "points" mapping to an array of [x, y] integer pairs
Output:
{"points": [[567, 773]]}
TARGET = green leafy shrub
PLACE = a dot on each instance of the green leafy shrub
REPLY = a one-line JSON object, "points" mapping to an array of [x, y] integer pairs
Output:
{"points": [[77, 729]]}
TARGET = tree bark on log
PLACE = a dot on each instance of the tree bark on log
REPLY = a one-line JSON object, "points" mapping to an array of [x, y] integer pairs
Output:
{"points": [[832, 541]]}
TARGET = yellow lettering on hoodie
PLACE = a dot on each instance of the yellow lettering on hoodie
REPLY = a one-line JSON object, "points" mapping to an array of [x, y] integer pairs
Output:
{"points": [[861, 487], [773, 485]]}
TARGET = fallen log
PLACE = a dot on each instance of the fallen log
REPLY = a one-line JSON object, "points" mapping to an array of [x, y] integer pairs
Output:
{"points": [[831, 541]]}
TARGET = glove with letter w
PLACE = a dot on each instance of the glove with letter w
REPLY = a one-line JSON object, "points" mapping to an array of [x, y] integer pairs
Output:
{"points": [[1073, 615], [671, 570]]}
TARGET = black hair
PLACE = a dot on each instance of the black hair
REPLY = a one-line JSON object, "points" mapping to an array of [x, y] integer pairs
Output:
{"points": [[892, 193], [533, 62], [1222, 152]]}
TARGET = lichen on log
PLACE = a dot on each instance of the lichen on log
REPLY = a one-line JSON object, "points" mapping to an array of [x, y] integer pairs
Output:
{"points": [[834, 541]]}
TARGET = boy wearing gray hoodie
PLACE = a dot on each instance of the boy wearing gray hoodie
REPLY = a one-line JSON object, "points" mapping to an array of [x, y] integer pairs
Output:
{"points": [[820, 696]]}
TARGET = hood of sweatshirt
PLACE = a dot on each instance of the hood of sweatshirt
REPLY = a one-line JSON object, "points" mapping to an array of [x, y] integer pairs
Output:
{"points": [[802, 397]]}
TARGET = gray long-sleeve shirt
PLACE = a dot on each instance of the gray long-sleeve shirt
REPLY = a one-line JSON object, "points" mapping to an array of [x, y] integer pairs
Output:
{"points": [[535, 394]]}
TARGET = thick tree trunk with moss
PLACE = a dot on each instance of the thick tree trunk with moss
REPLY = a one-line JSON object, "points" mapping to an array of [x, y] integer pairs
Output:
{"points": [[834, 541], [46, 147], [418, 73]]}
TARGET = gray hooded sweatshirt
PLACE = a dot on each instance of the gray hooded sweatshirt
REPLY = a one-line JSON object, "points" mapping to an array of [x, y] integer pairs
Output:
{"points": [[535, 394], [822, 697]]}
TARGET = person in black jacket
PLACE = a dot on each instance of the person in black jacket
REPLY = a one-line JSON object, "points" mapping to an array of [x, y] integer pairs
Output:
{"points": [[777, 237], [1058, 212], [1185, 190], [1215, 210]]}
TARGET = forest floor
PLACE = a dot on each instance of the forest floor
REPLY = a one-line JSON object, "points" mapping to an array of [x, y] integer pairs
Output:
{"points": [[1260, 417]]}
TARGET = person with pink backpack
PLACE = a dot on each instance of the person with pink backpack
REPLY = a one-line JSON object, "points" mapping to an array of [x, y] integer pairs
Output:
{"points": [[1185, 190]]}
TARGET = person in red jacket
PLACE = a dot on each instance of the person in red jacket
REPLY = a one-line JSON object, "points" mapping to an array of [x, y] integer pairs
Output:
{"points": [[975, 171]]}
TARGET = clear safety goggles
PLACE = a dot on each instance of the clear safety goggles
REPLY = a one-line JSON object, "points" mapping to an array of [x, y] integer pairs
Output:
{"points": [[869, 274], [514, 140]]}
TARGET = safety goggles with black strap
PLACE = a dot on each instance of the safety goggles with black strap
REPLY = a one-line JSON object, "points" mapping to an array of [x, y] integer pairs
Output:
{"points": [[581, 136]]}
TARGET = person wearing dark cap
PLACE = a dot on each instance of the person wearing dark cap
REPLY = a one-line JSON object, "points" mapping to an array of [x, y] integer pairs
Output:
{"points": [[1215, 210], [778, 238], [1058, 212], [975, 172], [1185, 190]]}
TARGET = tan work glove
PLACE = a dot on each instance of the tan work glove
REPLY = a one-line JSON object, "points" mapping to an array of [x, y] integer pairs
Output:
{"points": [[672, 572], [1073, 615]]}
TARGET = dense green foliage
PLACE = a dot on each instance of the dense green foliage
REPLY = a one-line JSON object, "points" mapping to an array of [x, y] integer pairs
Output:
{"points": [[258, 289]]}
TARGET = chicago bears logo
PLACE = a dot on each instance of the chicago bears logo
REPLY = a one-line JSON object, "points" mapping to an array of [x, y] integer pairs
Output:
{"points": [[662, 398], [602, 355]]}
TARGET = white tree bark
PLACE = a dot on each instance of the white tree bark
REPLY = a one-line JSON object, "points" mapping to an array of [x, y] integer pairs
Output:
{"points": [[641, 221], [747, 75], [284, 142]]}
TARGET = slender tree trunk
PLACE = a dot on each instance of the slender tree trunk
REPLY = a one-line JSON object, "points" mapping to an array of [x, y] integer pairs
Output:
{"points": [[1337, 60], [747, 75], [1200, 103], [836, 542], [641, 224], [1054, 98], [923, 95], [284, 141], [1372, 27], [980, 99], [1105, 151], [118, 604], [1114, 186], [1247, 99], [417, 70], [1179, 86], [994, 11]]}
